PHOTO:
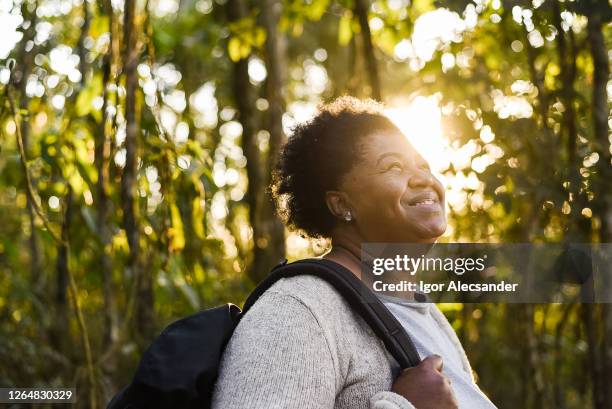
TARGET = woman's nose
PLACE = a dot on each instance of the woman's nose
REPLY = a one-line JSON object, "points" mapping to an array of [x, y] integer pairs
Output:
{"points": [[421, 178]]}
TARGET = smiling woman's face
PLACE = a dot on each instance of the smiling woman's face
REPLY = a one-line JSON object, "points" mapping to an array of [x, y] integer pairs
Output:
{"points": [[392, 194]]}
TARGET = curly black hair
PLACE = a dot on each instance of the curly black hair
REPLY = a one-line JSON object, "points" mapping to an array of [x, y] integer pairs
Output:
{"points": [[317, 155]]}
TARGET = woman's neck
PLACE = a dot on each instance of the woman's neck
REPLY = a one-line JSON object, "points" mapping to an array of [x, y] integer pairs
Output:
{"points": [[347, 252]]}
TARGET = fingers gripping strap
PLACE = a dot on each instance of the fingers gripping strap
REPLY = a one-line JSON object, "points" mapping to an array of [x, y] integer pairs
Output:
{"points": [[360, 298]]}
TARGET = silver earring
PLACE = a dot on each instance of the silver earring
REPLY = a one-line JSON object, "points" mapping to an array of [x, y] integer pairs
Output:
{"points": [[348, 217]]}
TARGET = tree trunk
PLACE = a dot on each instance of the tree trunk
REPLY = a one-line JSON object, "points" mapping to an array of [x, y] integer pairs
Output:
{"points": [[533, 366], [537, 78], [361, 11], [244, 97], [558, 391], [272, 229], [102, 157], [532, 359], [595, 364], [606, 353], [353, 83], [83, 63], [61, 332], [66, 280], [567, 75], [143, 282], [601, 74]]}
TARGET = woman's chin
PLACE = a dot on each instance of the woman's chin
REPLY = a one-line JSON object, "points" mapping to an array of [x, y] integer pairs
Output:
{"points": [[431, 232], [421, 233]]}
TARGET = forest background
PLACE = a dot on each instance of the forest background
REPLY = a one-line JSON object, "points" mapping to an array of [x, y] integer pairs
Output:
{"points": [[137, 139]]}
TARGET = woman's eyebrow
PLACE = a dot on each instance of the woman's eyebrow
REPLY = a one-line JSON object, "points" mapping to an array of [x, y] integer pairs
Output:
{"points": [[388, 154]]}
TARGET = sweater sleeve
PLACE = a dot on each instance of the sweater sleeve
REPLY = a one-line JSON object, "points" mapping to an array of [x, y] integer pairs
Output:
{"points": [[278, 357], [389, 400]]}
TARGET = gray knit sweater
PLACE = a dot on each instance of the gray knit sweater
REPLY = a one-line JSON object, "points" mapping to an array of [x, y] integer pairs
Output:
{"points": [[301, 346]]}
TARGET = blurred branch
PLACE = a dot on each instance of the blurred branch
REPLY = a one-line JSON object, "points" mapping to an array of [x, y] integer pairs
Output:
{"points": [[129, 179], [102, 156], [168, 150], [123, 330], [81, 49], [24, 162], [558, 353], [63, 265], [27, 61], [567, 75], [361, 11]]}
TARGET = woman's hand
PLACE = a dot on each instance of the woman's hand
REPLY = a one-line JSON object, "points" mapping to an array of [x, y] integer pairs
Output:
{"points": [[425, 386]]}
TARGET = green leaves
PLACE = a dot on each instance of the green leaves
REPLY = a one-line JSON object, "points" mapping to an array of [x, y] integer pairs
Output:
{"points": [[176, 233], [84, 102], [345, 28], [196, 238], [198, 207], [244, 36]]}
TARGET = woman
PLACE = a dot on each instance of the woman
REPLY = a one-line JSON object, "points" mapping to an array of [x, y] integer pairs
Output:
{"points": [[349, 175]]}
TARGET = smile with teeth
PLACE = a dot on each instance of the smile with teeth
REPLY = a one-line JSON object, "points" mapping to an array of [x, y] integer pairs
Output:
{"points": [[425, 202], [427, 199]]}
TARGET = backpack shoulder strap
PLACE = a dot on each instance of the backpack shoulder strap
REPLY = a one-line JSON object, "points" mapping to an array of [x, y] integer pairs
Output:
{"points": [[360, 298]]}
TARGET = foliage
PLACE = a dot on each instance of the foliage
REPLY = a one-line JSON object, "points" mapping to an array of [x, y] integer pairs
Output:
{"points": [[513, 81]]}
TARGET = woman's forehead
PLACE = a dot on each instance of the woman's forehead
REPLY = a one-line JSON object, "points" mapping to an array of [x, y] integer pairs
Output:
{"points": [[386, 142]]}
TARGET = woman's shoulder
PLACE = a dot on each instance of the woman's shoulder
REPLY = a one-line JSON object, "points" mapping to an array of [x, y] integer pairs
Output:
{"points": [[310, 295], [306, 297], [312, 291]]}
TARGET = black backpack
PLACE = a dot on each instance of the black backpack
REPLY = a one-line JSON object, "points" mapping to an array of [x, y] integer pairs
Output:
{"points": [[180, 367]]}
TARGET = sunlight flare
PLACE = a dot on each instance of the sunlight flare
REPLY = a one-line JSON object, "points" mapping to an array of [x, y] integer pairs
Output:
{"points": [[421, 122]]}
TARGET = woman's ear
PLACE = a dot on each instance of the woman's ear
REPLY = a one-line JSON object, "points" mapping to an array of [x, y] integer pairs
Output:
{"points": [[338, 204]]}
